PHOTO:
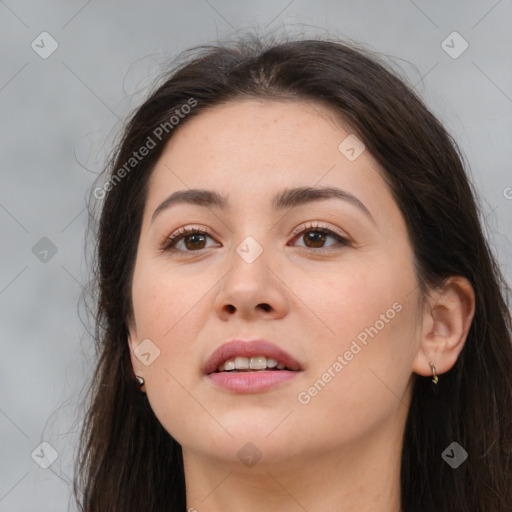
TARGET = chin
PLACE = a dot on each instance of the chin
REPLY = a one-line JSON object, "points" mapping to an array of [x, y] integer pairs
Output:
{"points": [[246, 441]]}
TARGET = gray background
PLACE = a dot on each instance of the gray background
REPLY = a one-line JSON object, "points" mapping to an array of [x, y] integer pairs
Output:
{"points": [[61, 113]]}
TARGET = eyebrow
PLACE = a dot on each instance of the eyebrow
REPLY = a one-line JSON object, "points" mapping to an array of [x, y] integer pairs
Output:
{"points": [[287, 198]]}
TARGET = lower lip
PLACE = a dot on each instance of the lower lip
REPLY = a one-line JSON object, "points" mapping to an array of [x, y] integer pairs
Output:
{"points": [[251, 382]]}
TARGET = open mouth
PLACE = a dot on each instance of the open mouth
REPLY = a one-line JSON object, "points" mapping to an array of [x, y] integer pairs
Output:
{"points": [[242, 364], [250, 366]]}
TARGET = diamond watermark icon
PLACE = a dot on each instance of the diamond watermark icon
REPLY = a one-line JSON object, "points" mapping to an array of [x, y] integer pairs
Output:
{"points": [[44, 250], [454, 455], [44, 45], [249, 249], [249, 455], [351, 147], [454, 45], [146, 352], [45, 455]]}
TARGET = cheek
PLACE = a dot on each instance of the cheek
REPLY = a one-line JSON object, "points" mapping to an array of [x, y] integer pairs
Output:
{"points": [[163, 301], [363, 362], [359, 293], [170, 310], [164, 308], [355, 386]]}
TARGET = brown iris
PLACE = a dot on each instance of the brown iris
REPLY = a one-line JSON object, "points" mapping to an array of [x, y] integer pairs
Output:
{"points": [[197, 238], [317, 238]]}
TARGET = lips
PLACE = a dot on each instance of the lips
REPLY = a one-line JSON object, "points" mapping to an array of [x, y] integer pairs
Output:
{"points": [[248, 349]]}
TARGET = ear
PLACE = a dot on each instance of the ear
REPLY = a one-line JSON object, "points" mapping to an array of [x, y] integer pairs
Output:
{"points": [[133, 341], [447, 316]]}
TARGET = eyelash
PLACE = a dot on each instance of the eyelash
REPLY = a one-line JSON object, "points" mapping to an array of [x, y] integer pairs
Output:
{"points": [[172, 240]]}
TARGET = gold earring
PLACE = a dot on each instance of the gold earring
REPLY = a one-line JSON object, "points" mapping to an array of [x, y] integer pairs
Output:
{"points": [[433, 368]]}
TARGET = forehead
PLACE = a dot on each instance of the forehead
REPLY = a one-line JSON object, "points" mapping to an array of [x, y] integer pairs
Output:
{"points": [[262, 145]]}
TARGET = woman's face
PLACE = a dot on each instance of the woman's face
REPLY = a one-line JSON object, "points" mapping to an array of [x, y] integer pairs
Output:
{"points": [[342, 303]]}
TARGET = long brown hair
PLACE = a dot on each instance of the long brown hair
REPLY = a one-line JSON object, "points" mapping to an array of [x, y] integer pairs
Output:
{"points": [[127, 461]]}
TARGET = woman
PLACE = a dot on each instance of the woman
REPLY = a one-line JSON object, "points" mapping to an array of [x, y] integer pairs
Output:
{"points": [[297, 307]]}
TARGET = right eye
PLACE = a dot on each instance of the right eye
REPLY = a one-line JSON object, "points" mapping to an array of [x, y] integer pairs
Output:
{"points": [[191, 238]]}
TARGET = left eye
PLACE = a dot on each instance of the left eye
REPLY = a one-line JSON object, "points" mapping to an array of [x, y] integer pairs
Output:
{"points": [[194, 239], [316, 236]]}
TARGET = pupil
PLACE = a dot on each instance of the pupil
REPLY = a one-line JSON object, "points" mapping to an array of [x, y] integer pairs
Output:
{"points": [[316, 238], [195, 236]]}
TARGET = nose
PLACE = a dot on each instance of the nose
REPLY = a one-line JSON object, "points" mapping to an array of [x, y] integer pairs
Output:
{"points": [[252, 290]]}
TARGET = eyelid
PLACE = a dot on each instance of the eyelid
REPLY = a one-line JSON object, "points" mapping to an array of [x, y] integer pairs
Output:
{"points": [[317, 225], [183, 231]]}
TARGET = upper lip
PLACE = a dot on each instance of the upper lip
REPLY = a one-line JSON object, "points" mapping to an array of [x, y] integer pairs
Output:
{"points": [[252, 348]]}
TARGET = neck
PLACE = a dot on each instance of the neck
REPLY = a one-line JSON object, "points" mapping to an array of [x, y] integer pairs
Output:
{"points": [[362, 477]]}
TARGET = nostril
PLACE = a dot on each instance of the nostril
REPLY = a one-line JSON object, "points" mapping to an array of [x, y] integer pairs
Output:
{"points": [[265, 306]]}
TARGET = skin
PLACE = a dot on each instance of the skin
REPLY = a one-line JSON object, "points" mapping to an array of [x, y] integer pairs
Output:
{"points": [[341, 450]]}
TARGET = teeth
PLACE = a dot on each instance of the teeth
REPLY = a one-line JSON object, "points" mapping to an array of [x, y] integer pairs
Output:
{"points": [[271, 363], [258, 363], [242, 363], [250, 363], [228, 365]]}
